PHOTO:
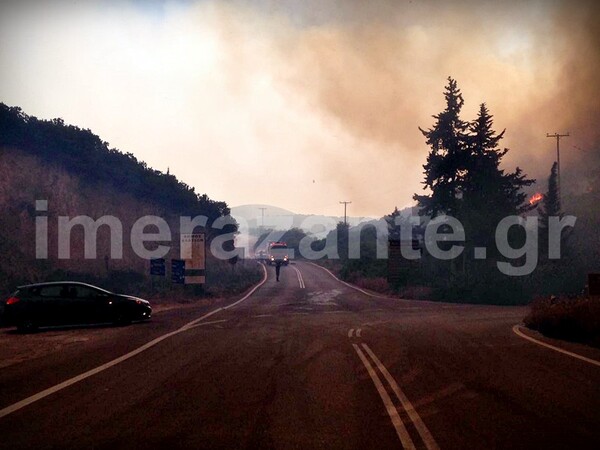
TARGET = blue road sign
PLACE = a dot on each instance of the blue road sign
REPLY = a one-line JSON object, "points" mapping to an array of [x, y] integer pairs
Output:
{"points": [[178, 271], [157, 267]]}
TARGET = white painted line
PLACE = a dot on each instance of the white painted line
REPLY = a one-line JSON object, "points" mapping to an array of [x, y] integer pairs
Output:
{"points": [[194, 322], [428, 439], [350, 332], [401, 431], [212, 322], [350, 285], [45, 393], [300, 279], [40, 395], [518, 332], [252, 291], [263, 315], [358, 332], [337, 311]]}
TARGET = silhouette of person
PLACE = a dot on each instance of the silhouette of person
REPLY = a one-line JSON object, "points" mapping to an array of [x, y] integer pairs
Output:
{"points": [[277, 269]]}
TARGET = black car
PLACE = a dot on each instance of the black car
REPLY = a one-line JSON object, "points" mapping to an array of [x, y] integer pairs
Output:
{"points": [[68, 302]]}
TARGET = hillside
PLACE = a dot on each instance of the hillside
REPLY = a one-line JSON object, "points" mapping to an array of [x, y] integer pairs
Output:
{"points": [[78, 174]]}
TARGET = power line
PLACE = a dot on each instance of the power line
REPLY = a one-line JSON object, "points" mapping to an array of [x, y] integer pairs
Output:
{"points": [[345, 206]]}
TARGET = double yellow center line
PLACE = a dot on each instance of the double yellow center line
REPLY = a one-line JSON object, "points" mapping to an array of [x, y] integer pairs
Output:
{"points": [[364, 354]]}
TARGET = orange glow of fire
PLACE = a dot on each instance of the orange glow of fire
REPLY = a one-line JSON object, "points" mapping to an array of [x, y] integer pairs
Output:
{"points": [[536, 198]]}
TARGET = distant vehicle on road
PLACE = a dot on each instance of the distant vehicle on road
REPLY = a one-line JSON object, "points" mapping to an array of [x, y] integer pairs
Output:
{"points": [[278, 253], [261, 255], [69, 302]]}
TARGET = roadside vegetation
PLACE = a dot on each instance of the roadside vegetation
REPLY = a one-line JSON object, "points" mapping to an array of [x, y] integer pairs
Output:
{"points": [[79, 174], [465, 177], [572, 318]]}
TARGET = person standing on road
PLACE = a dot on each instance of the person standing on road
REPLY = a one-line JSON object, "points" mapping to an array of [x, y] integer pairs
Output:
{"points": [[277, 269]]}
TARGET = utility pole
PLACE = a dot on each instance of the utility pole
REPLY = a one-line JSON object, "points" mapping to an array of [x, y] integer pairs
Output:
{"points": [[262, 211], [558, 136], [345, 205]]}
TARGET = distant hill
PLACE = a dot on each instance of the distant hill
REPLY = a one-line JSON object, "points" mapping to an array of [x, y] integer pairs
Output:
{"points": [[282, 219], [254, 212]]}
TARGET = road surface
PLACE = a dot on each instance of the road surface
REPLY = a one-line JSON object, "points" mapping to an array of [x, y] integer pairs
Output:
{"points": [[307, 362]]}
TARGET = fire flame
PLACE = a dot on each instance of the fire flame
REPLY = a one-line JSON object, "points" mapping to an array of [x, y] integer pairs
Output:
{"points": [[536, 198]]}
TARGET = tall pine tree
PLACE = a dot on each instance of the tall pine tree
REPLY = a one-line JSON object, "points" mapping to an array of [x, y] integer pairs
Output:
{"points": [[464, 176], [446, 161], [551, 208], [490, 194], [551, 199]]}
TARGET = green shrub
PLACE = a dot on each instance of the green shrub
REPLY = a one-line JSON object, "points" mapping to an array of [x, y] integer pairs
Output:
{"points": [[571, 318]]}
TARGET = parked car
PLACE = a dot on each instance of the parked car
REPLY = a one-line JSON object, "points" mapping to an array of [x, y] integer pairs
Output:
{"points": [[68, 302]]}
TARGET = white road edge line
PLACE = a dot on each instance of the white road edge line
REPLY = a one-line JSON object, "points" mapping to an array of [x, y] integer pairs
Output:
{"points": [[46, 392], [401, 430], [517, 330], [428, 439], [252, 291], [349, 285], [212, 322]]}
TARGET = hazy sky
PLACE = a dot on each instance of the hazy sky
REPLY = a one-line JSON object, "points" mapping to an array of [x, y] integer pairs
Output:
{"points": [[301, 104]]}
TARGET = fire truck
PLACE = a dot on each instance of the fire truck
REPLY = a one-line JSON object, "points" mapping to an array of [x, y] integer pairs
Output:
{"points": [[277, 252]]}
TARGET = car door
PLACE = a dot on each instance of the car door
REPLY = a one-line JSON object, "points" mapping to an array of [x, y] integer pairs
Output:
{"points": [[93, 304], [52, 307]]}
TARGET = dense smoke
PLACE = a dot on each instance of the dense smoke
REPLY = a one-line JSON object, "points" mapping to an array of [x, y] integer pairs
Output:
{"points": [[303, 104]]}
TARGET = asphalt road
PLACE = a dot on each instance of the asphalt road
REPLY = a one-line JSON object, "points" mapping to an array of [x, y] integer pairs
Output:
{"points": [[306, 362]]}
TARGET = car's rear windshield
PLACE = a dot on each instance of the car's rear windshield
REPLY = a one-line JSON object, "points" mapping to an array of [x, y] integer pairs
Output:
{"points": [[277, 247]]}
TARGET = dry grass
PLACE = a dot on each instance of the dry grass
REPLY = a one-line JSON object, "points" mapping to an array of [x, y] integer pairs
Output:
{"points": [[570, 318], [372, 284]]}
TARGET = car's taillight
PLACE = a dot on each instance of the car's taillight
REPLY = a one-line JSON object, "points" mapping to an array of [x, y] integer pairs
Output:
{"points": [[12, 300]]}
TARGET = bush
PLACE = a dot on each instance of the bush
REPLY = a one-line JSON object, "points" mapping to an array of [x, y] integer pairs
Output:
{"points": [[223, 278], [571, 318]]}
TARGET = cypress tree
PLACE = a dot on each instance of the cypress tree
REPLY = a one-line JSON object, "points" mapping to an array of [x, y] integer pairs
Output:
{"points": [[446, 161]]}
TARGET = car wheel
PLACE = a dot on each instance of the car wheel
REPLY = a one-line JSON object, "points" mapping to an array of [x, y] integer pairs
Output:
{"points": [[27, 326]]}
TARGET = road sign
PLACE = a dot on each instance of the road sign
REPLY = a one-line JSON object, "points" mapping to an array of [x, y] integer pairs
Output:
{"points": [[178, 271], [157, 267], [194, 254]]}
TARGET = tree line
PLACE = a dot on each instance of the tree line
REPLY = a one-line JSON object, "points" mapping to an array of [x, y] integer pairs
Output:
{"points": [[84, 154], [464, 178]]}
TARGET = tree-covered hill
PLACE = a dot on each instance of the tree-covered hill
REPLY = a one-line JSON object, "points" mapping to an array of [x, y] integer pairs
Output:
{"points": [[85, 155], [77, 175]]}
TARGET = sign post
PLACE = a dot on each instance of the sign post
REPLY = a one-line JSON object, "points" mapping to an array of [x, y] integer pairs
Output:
{"points": [[193, 252]]}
